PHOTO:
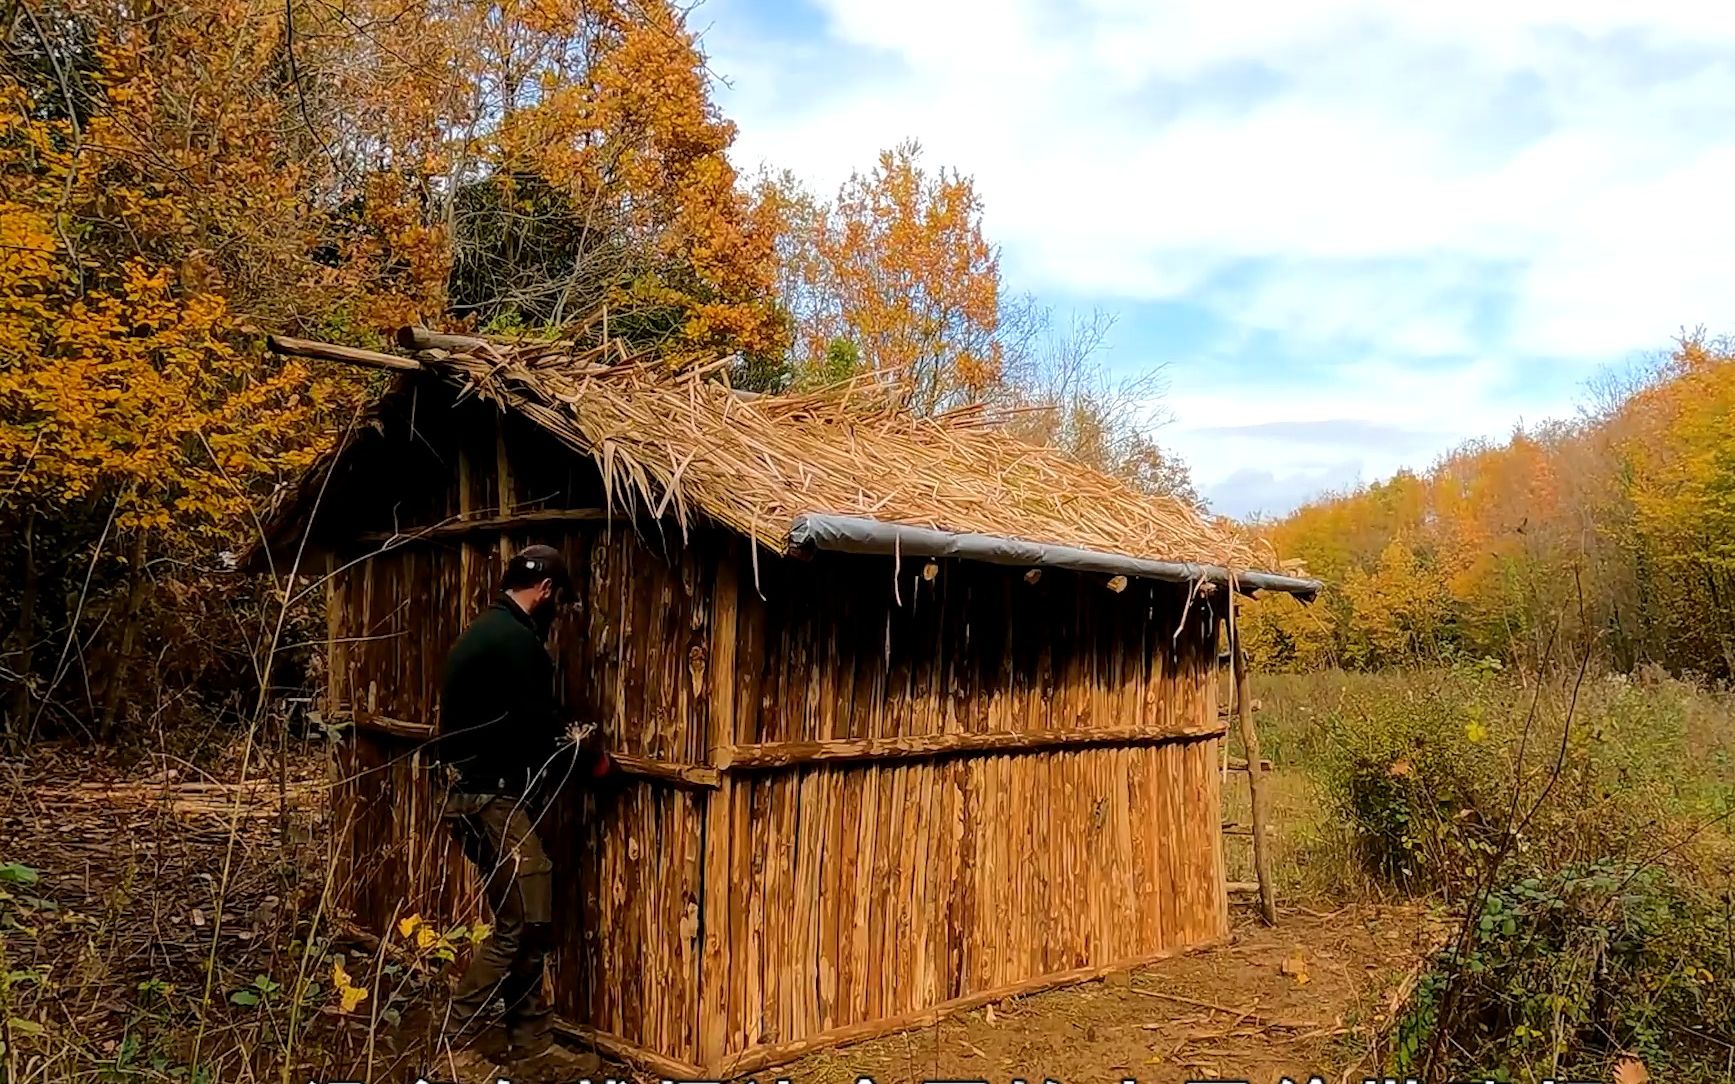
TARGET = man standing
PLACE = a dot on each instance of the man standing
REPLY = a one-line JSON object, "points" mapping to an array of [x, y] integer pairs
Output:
{"points": [[507, 753]]}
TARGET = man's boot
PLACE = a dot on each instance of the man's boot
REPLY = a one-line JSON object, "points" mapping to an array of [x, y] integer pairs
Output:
{"points": [[554, 1064]]}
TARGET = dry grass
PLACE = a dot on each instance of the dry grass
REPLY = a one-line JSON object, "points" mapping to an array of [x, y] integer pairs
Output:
{"points": [[677, 441]]}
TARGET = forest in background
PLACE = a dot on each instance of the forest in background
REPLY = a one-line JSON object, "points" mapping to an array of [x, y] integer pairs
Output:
{"points": [[1615, 530], [177, 180]]}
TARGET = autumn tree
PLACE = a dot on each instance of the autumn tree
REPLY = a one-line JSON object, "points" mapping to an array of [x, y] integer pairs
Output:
{"points": [[607, 182], [1611, 531], [896, 277], [898, 266], [175, 180], [150, 206]]}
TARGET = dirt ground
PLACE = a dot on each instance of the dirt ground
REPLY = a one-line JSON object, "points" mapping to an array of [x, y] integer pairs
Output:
{"points": [[1292, 1001], [136, 862]]}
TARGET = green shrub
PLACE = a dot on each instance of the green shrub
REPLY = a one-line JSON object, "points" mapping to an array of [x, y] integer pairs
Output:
{"points": [[1417, 782], [1563, 972]]}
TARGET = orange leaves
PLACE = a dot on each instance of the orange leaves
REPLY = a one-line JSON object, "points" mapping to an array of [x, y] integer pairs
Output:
{"points": [[1487, 551], [604, 144], [295, 168], [897, 266]]}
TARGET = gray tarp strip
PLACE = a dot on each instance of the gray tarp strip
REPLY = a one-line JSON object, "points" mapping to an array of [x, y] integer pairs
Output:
{"points": [[859, 534]]}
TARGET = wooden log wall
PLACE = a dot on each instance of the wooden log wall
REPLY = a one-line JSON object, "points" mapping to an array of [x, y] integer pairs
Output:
{"points": [[840, 828], [870, 888]]}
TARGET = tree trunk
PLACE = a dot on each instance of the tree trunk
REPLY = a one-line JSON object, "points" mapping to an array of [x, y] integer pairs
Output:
{"points": [[117, 681]]}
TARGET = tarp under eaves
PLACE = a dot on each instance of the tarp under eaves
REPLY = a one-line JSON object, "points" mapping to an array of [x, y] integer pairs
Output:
{"points": [[860, 534]]}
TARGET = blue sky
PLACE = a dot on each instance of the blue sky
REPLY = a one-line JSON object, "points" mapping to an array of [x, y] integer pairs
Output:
{"points": [[1352, 233]]}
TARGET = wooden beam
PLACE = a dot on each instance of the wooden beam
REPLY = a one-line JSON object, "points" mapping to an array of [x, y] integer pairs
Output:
{"points": [[468, 525], [397, 728], [1255, 774], [764, 1057], [438, 345], [697, 776], [349, 355], [691, 776], [421, 338], [619, 1049], [1239, 764], [770, 755]]}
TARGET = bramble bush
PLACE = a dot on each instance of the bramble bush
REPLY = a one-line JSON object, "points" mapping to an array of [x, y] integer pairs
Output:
{"points": [[1565, 972]]}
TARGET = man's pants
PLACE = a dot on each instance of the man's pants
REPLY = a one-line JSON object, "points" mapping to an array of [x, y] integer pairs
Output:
{"points": [[517, 879]]}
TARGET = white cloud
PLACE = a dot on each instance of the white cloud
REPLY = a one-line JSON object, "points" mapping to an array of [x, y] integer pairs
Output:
{"points": [[1264, 447], [1524, 184], [1117, 159]]}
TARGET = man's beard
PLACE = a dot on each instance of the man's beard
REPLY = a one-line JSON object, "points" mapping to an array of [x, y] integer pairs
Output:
{"points": [[543, 617]]}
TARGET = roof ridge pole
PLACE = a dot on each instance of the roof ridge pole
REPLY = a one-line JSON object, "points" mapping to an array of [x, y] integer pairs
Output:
{"points": [[1255, 769]]}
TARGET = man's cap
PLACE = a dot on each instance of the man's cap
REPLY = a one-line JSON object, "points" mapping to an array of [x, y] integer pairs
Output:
{"points": [[533, 564]]}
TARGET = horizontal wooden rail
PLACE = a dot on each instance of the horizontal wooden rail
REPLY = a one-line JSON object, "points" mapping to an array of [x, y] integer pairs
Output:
{"points": [[1239, 764], [457, 528], [769, 755], [397, 728], [619, 1049], [696, 776]]}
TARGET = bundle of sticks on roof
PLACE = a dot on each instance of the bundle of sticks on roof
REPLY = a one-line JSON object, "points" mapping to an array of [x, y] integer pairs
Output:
{"points": [[673, 438]]}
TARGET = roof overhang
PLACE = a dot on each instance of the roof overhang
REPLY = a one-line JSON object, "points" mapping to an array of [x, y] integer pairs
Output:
{"points": [[861, 534]]}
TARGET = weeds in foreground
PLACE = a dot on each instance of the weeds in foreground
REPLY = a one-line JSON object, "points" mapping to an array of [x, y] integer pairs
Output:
{"points": [[1586, 845], [110, 912]]}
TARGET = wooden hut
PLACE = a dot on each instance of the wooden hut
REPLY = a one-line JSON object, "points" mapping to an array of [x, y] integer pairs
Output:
{"points": [[915, 716]]}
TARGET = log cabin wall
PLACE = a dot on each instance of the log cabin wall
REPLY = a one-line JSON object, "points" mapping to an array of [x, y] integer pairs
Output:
{"points": [[828, 863], [863, 890]]}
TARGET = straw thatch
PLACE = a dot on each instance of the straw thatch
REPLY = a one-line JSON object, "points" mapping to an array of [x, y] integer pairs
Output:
{"points": [[681, 444]]}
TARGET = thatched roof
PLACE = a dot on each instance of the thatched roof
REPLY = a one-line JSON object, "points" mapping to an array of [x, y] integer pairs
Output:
{"points": [[685, 446]]}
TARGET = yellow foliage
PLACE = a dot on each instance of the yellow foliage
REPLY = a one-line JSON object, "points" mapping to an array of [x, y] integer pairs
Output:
{"points": [[172, 186], [1489, 553], [349, 995]]}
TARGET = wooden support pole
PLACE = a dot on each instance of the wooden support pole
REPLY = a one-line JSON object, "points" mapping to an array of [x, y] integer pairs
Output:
{"points": [[473, 524], [715, 950], [503, 490], [1255, 775]]}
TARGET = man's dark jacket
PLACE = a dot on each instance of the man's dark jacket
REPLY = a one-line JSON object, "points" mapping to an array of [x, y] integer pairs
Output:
{"points": [[499, 725]]}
